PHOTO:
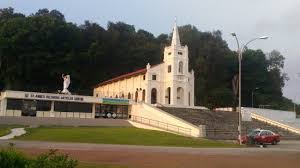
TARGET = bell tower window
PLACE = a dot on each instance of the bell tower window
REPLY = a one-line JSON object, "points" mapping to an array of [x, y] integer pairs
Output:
{"points": [[169, 68], [180, 67], [153, 77]]}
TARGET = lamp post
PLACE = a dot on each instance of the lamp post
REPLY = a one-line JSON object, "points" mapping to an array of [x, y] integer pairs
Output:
{"points": [[253, 94], [295, 104], [240, 57], [295, 98]]}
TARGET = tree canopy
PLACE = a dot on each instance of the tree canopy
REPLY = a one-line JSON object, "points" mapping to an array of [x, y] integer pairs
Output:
{"points": [[36, 49]]}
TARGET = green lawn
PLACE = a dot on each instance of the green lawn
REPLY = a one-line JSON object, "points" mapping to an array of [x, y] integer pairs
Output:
{"points": [[116, 135], [4, 131]]}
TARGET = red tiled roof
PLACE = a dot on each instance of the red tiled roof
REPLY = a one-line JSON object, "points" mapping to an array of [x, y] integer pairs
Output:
{"points": [[131, 74]]}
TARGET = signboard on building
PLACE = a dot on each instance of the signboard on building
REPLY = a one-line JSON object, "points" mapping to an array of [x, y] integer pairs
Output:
{"points": [[50, 97], [115, 101], [42, 96]]}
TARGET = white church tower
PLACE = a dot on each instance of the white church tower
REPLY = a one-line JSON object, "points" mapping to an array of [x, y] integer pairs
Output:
{"points": [[179, 82]]}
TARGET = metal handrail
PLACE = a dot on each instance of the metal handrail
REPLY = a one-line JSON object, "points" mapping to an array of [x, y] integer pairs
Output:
{"points": [[162, 125], [275, 123]]}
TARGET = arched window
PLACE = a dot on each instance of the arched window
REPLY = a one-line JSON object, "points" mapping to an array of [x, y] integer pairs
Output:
{"points": [[180, 69]]}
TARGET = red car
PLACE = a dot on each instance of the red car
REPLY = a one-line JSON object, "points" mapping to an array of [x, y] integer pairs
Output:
{"points": [[259, 136]]}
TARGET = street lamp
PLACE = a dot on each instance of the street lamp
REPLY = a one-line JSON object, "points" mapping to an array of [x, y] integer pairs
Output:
{"points": [[240, 56], [295, 98], [295, 104], [253, 94]]}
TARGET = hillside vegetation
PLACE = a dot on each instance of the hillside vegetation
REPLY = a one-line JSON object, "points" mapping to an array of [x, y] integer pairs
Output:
{"points": [[36, 49]]}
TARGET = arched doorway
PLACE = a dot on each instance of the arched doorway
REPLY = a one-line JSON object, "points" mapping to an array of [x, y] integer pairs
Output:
{"points": [[129, 96], [168, 96], [153, 96], [180, 96], [144, 95], [136, 96]]}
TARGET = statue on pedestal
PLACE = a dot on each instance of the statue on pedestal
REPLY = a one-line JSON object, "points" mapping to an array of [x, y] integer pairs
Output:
{"points": [[66, 84]]}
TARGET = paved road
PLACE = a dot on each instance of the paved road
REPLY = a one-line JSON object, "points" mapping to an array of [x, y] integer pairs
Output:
{"points": [[285, 146], [286, 154]]}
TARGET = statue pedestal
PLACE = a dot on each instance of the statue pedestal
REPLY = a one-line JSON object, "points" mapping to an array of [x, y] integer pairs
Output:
{"points": [[52, 109], [52, 114]]}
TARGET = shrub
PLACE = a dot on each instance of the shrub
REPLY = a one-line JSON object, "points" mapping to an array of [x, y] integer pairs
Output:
{"points": [[10, 158], [53, 160]]}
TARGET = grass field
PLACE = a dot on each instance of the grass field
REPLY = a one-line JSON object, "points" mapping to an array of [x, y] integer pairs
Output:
{"points": [[116, 135], [5, 129]]}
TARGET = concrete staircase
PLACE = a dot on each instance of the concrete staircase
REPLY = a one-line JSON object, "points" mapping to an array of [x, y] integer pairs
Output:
{"points": [[223, 125]]}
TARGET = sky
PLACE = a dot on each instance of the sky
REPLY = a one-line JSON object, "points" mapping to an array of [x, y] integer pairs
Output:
{"points": [[278, 19]]}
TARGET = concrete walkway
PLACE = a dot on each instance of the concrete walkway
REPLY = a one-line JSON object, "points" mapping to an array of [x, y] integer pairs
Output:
{"points": [[14, 132]]}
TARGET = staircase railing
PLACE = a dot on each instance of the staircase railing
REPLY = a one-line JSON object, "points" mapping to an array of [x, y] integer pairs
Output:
{"points": [[162, 125], [275, 123]]}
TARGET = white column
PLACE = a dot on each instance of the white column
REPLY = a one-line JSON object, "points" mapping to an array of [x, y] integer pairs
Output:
{"points": [[173, 95], [93, 110], [3, 107], [52, 109], [186, 94]]}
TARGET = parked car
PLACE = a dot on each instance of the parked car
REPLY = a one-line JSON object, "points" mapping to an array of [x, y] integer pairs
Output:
{"points": [[260, 136]]}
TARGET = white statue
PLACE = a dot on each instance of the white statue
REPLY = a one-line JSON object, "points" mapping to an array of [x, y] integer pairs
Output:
{"points": [[67, 81]]}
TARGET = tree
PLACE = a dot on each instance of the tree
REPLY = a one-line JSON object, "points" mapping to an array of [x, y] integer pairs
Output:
{"points": [[8, 13], [53, 13], [35, 50], [208, 54]]}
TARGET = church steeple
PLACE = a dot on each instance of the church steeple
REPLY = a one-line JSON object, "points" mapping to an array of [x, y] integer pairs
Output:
{"points": [[175, 38]]}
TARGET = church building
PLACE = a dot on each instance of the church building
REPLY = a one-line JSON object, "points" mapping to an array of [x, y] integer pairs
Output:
{"points": [[169, 83]]}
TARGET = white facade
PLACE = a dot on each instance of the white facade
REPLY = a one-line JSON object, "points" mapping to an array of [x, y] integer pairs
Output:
{"points": [[35, 100], [169, 83]]}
